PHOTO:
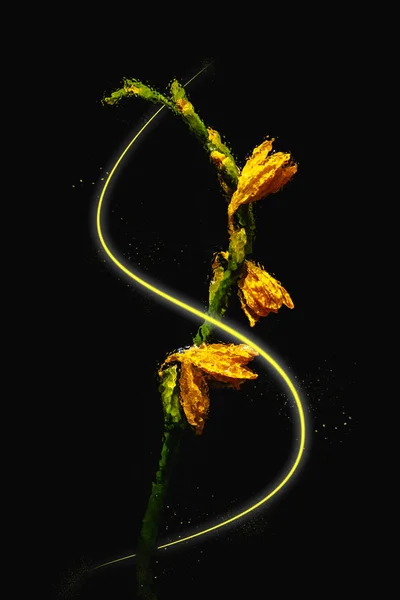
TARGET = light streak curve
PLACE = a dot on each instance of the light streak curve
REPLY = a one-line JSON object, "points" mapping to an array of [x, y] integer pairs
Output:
{"points": [[203, 316]]}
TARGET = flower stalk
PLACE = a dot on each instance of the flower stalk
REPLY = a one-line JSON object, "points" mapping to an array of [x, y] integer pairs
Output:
{"points": [[185, 375]]}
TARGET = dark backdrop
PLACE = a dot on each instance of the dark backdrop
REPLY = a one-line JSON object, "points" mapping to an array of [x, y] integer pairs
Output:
{"points": [[166, 217]]}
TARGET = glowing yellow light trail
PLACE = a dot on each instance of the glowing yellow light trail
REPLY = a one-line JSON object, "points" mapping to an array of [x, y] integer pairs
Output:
{"points": [[218, 324]]}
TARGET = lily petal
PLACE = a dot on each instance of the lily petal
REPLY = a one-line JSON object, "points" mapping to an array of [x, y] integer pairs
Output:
{"points": [[224, 362], [260, 293], [194, 395], [263, 174]]}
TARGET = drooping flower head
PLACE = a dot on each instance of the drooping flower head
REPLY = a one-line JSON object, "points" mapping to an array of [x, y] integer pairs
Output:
{"points": [[225, 363], [260, 293]]}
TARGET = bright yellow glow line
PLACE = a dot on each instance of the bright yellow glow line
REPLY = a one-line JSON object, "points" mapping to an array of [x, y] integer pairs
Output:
{"points": [[218, 324]]}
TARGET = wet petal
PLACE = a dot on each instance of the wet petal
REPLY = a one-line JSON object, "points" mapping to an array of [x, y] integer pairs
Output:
{"points": [[263, 174], [260, 293], [224, 362], [194, 395]]}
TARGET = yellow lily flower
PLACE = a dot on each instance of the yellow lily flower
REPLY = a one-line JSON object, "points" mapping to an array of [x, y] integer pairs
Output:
{"points": [[224, 363], [260, 293], [263, 174]]}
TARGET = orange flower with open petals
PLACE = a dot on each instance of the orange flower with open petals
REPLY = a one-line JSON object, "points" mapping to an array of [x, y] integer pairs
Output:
{"points": [[260, 293], [263, 174], [224, 363]]}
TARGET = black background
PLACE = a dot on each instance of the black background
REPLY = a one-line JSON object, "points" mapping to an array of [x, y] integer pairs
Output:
{"points": [[166, 204]]}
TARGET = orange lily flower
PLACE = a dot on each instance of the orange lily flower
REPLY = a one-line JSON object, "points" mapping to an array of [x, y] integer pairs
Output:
{"points": [[263, 174], [224, 363], [260, 293]]}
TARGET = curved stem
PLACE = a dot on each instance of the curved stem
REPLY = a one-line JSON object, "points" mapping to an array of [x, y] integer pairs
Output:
{"points": [[152, 518], [228, 174]]}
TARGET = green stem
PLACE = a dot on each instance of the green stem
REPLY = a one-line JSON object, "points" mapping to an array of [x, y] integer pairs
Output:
{"points": [[218, 304], [152, 518], [179, 104], [174, 423]]}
